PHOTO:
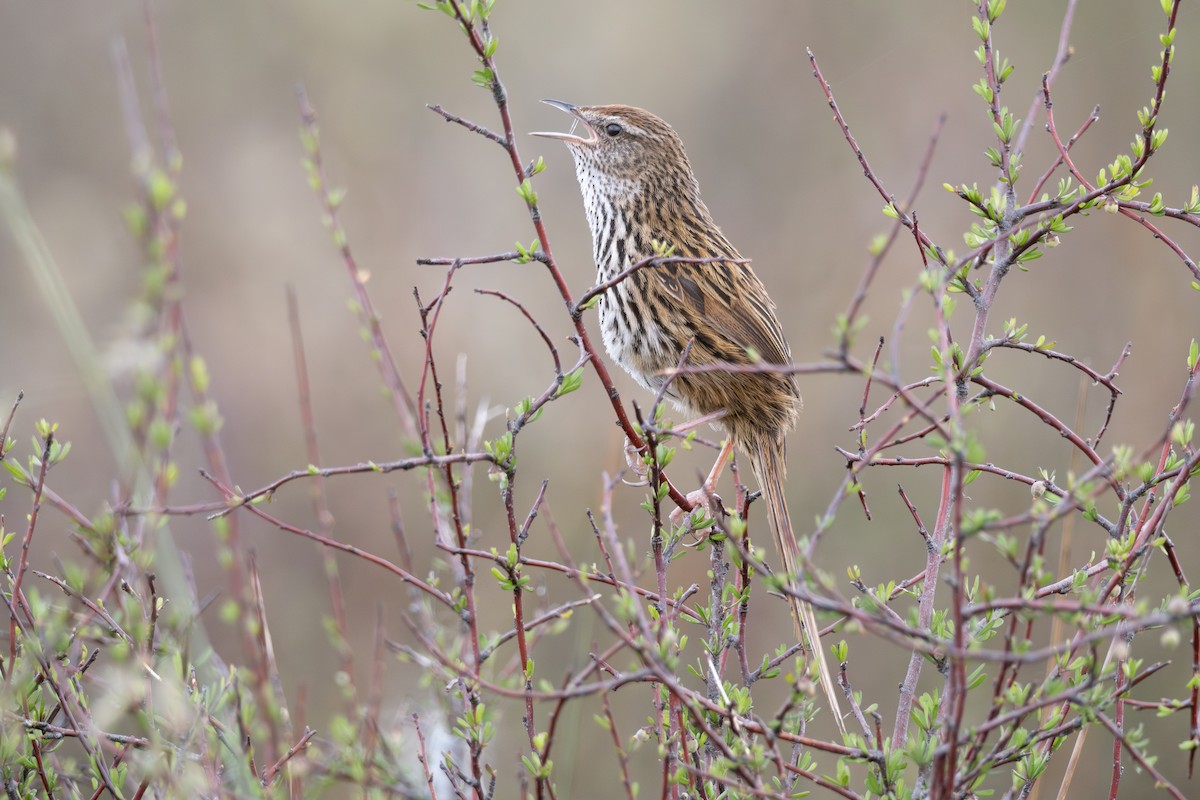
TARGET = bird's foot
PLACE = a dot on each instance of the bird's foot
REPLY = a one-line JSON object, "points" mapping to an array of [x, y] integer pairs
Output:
{"points": [[637, 465], [707, 507]]}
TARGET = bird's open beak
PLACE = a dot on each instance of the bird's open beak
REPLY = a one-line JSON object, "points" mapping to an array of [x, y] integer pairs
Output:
{"points": [[569, 137]]}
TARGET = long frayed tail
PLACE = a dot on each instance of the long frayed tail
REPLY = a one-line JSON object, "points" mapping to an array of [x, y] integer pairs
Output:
{"points": [[769, 468]]}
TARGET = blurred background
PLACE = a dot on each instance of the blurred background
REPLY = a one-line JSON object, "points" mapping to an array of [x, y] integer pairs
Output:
{"points": [[735, 82]]}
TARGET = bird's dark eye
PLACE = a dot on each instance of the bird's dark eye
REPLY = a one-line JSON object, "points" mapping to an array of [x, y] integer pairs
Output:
{"points": [[612, 129]]}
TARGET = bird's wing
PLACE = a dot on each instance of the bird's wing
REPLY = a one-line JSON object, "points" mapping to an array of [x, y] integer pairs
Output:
{"points": [[729, 299]]}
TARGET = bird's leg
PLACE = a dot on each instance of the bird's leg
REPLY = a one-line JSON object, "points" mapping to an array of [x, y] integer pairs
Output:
{"points": [[706, 496]]}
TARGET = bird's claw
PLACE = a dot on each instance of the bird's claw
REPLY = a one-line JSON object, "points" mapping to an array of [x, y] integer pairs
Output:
{"points": [[637, 464], [705, 501]]}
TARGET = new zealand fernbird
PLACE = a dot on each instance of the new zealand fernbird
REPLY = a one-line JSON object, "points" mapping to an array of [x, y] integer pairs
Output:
{"points": [[638, 188]]}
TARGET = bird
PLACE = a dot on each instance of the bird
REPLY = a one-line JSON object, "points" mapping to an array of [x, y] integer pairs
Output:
{"points": [[642, 198]]}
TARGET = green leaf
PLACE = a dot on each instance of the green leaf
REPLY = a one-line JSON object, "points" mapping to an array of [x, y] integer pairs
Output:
{"points": [[980, 27], [570, 382], [135, 220], [527, 193], [199, 373], [1194, 203], [484, 78], [160, 189]]}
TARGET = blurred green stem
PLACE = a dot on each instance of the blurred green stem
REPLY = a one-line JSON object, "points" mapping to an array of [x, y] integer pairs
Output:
{"points": [[89, 362]]}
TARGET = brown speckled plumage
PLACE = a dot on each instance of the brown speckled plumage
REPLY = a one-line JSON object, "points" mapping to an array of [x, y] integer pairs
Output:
{"points": [[638, 187]]}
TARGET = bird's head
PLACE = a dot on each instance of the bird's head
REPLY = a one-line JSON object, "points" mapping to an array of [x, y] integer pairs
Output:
{"points": [[623, 144]]}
